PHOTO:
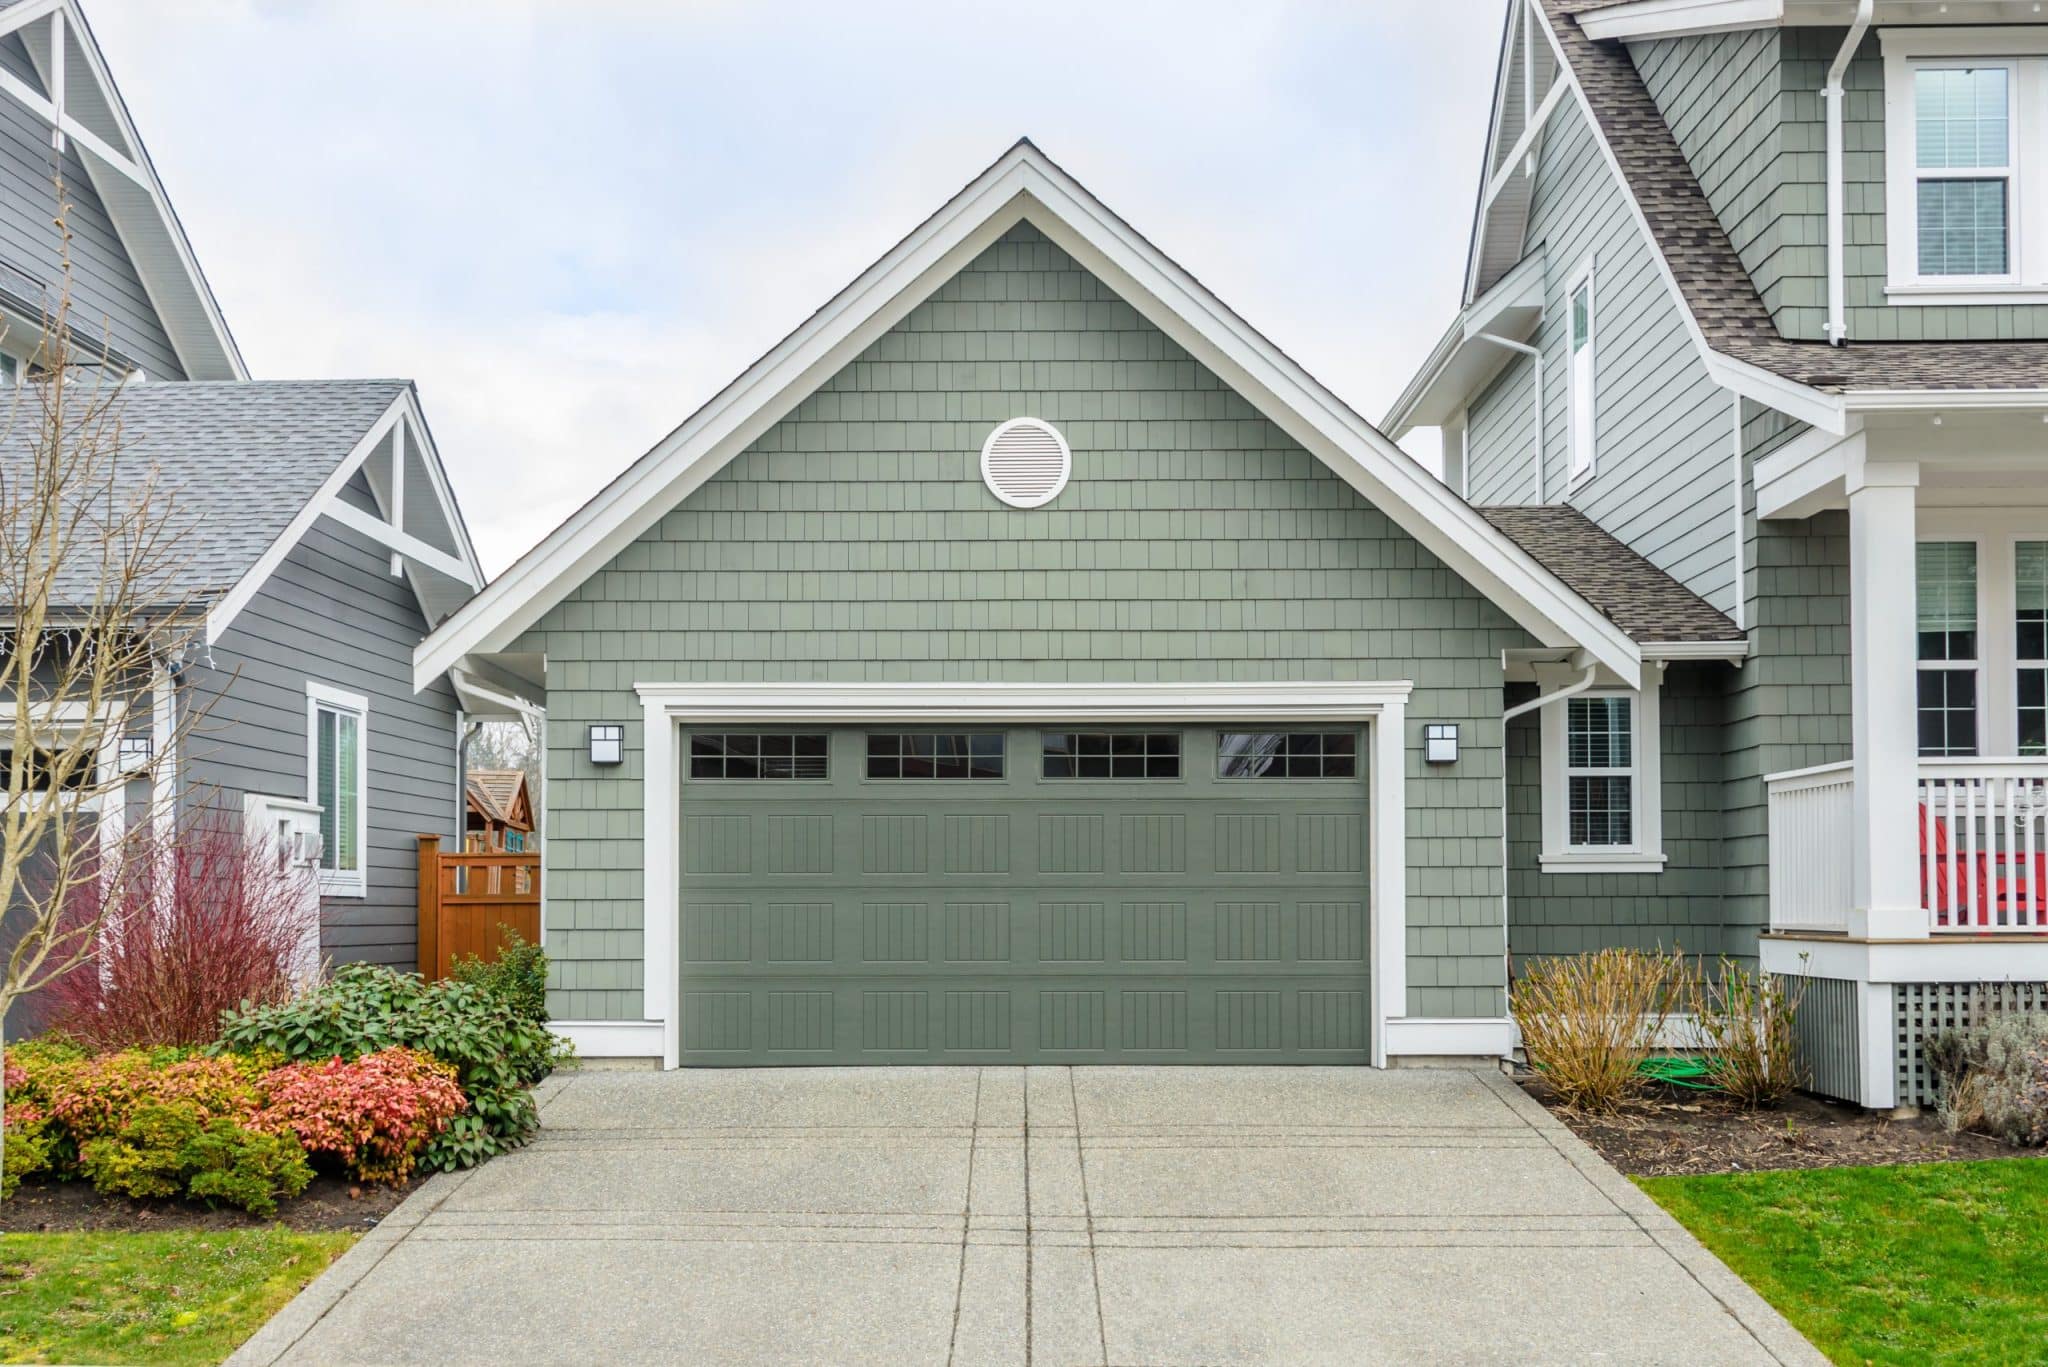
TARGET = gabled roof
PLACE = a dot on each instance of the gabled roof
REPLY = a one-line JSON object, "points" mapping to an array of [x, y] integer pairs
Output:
{"points": [[242, 468], [90, 113], [499, 795], [1712, 283], [1651, 606], [1025, 184]]}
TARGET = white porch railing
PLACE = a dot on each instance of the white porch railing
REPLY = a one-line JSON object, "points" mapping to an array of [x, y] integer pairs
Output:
{"points": [[1811, 842], [1983, 844]]}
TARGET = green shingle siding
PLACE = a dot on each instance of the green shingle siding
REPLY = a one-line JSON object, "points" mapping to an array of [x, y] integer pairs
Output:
{"points": [[855, 542], [1569, 913], [1746, 109]]}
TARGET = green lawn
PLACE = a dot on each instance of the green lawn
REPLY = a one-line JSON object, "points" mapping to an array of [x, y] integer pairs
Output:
{"points": [[184, 1297], [1931, 1262]]}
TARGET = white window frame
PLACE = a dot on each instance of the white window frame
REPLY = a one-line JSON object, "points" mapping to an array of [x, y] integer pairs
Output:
{"points": [[1985, 666], [2023, 52], [2012, 618], [1646, 854], [1581, 367], [324, 697]]}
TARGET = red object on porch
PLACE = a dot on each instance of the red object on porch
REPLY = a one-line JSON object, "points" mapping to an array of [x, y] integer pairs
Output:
{"points": [[1947, 880]]}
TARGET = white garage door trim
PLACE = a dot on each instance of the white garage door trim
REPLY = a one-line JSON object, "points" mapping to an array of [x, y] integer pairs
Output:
{"points": [[669, 706]]}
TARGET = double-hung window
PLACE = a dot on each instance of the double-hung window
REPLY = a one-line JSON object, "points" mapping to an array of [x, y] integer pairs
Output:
{"points": [[1602, 782], [2030, 646], [1946, 572], [338, 767], [1966, 164], [1580, 311]]}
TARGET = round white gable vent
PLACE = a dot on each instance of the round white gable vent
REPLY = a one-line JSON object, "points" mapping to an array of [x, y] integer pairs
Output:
{"points": [[1025, 463]]}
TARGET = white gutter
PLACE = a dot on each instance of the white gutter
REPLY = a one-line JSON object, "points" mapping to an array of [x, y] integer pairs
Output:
{"points": [[1578, 685], [1536, 354], [1831, 94]]}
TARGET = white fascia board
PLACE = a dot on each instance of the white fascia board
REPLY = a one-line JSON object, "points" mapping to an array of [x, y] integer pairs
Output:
{"points": [[1674, 652], [1025, 184], [1501, 70], [102, 158], [1443, 385], [229, 606], [1944, 400], [1801, 477], [1399, 421], [1679, 18]]}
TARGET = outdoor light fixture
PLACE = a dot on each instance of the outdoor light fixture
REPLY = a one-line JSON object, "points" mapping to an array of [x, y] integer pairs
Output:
{"points": [[136, 752], [607, 742], [1440, 742]]}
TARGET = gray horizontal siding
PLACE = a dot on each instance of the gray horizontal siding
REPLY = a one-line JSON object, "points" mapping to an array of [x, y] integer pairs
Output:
{"points": [[332, 614], [108, 298]]}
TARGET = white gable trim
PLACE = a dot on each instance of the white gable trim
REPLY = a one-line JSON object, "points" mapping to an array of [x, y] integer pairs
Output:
{"points": [[1025, 184], [127, 185], [402, 417]]}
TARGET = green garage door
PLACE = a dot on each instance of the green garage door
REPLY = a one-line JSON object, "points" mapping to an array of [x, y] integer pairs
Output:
{"points": [[1049, 894]]}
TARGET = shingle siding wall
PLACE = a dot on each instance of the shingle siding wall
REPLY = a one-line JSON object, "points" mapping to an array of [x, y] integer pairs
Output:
{"points": [[1789, 704], [854, 541], [1570, 913], [108, 300], [333, 614], [1663, 478]]}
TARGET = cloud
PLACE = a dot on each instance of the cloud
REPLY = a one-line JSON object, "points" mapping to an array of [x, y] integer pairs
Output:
{"points": [[574, 224]]}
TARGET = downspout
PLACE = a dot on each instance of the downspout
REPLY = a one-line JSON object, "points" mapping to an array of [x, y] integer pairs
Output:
{"points": [[1536, 355], [1831, 96], [463, 738]]}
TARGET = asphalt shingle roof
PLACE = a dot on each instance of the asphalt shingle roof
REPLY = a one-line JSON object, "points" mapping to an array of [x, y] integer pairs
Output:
{"points": [[237, 460], [1710, 274], [1644, 601]]}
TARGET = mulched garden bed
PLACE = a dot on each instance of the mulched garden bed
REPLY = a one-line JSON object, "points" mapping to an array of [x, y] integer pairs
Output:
{"points": [[329, 1203], [1672, 1132]]}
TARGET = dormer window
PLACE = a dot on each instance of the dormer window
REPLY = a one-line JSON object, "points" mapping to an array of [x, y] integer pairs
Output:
{"points": [[1963, 145]]}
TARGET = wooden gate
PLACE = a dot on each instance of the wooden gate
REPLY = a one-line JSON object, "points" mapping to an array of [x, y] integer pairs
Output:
{"points": [[468, 901]]}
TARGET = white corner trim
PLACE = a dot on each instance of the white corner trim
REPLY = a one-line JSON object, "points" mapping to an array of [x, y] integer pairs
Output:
{"points": [[666, 707], [1025, 184], [1452, 1036], [611, 1039]]}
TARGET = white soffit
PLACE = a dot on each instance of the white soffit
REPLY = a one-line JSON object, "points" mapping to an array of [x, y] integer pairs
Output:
{"points": [[1024, 184]]}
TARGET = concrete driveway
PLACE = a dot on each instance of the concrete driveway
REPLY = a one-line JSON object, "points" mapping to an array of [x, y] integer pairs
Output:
{"points": [[1046, 1215]]}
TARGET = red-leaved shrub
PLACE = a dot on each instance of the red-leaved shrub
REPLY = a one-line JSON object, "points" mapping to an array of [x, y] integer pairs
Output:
{"points": [[200, 923], [373, 1114]]}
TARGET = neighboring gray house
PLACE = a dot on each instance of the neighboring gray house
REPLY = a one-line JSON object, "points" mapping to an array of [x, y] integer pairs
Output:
{"points": [[1758, 290], [316, 526]]}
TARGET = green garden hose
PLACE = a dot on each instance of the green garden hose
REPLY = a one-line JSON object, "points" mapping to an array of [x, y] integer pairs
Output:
{"points": [[1679, 1072]]}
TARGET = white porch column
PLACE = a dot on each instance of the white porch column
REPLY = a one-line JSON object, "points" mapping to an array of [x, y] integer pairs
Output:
{"points": [[1881, 632]]}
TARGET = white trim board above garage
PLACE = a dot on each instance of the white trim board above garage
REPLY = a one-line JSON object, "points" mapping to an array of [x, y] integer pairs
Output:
{"points": [[1026, 185]]}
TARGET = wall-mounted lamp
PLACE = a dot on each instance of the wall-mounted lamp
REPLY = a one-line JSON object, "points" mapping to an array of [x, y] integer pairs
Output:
{"points": [[607, 742], [135, 754], [1440, 742]]}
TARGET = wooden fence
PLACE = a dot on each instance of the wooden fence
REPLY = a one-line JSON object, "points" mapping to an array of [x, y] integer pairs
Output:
{"points": [[468, 901]]}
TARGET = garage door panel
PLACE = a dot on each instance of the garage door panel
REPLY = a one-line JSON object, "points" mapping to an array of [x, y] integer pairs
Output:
{"points": [[843, 919]]}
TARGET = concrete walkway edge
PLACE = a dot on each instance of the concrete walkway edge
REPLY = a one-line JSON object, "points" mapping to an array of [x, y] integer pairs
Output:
{"points": [[1770, 1328]]}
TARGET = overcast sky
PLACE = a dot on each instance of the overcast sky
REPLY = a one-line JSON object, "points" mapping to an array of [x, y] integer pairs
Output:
{"points": [[572, 223]]}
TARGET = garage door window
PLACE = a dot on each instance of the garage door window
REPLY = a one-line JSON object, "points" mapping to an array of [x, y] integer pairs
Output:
{"points": [[1287, 754], [737, 755], [1111, 754], [967, 755]]}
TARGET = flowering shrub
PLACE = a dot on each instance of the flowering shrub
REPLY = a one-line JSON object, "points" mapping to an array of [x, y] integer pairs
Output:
{"points": [[373, 1113], [203, 922]]}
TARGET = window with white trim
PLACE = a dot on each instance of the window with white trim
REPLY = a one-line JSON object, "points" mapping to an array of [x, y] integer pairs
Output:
{"points": [[1966, 164], [1603, 782], [2030, 646], [1579, 312], [337, 771], [1946, 596]]}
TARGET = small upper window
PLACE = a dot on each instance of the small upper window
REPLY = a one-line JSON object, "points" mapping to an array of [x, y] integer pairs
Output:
{"points": [[340, 767], [957, 755], [1111, 754], [1290, 754], [1602, 770], [1599, 766], [772, 756], [1963, 169], [1582, 375]]}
